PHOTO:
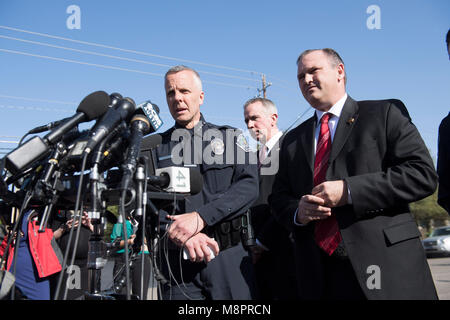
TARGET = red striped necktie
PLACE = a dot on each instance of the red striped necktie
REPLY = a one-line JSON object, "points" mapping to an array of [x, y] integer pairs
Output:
{"points": [[326, 231]]}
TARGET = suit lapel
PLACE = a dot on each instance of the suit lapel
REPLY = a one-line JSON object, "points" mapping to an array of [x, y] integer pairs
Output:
{"points": [[347, 121], [307, 142]]}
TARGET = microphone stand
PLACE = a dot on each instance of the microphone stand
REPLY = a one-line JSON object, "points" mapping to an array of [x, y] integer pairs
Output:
{"points": [[139, 211], [97, 247], [44, 183], [98, 250], [149, 227]]}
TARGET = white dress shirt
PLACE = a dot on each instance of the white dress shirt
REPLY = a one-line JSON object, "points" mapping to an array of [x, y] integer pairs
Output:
{"points": [[336, 111]]}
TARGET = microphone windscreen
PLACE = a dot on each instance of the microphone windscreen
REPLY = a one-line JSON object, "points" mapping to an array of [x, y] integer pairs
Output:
{"points": [[195, 180], [156, 108], [151, 142], [94, 105], [151, 111]]}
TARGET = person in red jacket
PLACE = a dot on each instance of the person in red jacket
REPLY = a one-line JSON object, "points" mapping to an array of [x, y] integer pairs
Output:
{"points": [[37, 259]]}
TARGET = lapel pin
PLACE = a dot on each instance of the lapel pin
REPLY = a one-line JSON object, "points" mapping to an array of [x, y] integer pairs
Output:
{"points": [[351, 120]]}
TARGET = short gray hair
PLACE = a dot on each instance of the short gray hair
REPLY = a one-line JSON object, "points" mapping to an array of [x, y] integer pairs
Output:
{"points": [[180, 68], [269, 105]]}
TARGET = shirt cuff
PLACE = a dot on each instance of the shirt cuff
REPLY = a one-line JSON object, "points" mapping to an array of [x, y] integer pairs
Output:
{"points": [[295, 219], [349, 195], [261, 245]]}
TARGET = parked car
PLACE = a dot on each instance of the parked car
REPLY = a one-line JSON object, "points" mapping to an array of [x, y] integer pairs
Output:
{"points": [[438, 243]]}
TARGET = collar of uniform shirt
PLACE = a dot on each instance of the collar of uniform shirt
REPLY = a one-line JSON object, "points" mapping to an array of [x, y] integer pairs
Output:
{"points": [[273, 141], [335, 110]]}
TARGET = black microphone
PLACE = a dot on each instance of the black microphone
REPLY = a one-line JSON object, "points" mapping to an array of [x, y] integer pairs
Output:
{"points": [[145, 120], [178, 179], [92, 107], [115, 151], [114, 98], [48, 126], [74, 158], [121, 112], [151, 111]]}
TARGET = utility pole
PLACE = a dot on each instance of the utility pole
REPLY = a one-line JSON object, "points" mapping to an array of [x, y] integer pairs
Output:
{"points": [[265, 85]]}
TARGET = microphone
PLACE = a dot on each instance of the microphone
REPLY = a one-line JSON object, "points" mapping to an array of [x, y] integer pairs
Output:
{"points": [[74, 158], [92, 107], [115, 97], [145, 120], [48, 126], [178, 179], [151, 111], [121, 112]]}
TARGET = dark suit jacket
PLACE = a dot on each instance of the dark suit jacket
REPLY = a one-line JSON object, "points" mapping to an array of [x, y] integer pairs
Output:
{"points": [[380, 154], [268, 231], [443, 164], [276, 270]]}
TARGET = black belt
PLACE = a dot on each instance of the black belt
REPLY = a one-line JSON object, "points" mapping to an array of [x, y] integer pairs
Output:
{"points": [[227, 234], [230, 233]]}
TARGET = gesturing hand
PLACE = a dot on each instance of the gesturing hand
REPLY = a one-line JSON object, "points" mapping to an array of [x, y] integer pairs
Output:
{"points": [[334, 193], [312, 208]]}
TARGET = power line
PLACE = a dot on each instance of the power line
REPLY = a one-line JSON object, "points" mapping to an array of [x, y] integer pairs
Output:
{"points": [[140, 61], [32, 108], [128, 50], [111, 67], [120, 58], [35, 99]]}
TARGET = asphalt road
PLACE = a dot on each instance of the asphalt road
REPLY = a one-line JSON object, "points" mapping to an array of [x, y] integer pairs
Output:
{"points": [[440, 269]]}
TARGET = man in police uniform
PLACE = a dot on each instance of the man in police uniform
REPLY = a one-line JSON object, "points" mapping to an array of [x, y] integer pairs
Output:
{"points": [[209, 221]]}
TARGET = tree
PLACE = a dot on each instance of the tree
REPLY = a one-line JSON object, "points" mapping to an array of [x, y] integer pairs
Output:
{"points": [[428, 213]]}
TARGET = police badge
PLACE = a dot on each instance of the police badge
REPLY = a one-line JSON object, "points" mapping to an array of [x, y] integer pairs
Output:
{"points": [[217, 146]]}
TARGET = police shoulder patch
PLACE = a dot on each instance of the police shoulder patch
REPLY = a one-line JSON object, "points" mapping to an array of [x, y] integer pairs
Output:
{"points": [[242, 143]]}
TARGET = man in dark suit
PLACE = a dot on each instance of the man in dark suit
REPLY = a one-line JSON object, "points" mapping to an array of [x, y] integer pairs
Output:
{"points": [[273, 254], [345, 180], [443, 163]]}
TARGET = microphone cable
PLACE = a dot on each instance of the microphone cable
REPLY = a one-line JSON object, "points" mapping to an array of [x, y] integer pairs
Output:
{"points": [[144, 238], [75, 244], [125, 238], [180, 261], [77, 204]]}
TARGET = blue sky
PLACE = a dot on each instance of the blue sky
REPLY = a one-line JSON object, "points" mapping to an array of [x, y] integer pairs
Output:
{"points": [[231, 43]]}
